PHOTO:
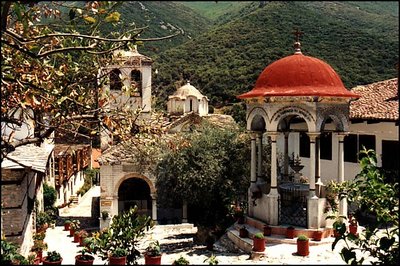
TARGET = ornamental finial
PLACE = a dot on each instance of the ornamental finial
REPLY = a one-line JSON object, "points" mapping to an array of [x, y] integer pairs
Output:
{"points": [[297, 44]]}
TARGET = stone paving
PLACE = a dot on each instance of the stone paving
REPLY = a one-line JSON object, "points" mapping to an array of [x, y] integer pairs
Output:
{"points": [[175, 243]]}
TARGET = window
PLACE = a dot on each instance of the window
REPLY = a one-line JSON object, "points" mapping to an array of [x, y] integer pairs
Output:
{"points": [[390, 155], [350, 148], [136, 81], [304, 145], [325, 145], [353, 143], [115, 80]]}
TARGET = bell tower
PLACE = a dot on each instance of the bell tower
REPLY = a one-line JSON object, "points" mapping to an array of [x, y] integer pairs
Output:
{"points": [[126, 87], [128, 81]]}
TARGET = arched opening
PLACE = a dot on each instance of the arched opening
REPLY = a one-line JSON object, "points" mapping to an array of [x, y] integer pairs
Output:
{"points": [[134, 191], [136, 81], [258, 123], [190, 105], [115, 79]]}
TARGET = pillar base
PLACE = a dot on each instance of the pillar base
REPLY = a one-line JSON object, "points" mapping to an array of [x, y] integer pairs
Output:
{"points": [[273, 208]]}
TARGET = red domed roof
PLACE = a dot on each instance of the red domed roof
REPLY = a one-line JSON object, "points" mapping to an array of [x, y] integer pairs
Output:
{"points": [[299, 75]]}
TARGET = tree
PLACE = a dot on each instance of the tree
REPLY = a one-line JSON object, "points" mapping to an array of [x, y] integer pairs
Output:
{"points": [[380, 239], [51, 54], [209, 174]]}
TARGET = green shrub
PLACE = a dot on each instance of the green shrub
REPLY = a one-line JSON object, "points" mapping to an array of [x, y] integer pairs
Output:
{"points": [[49, 195], [259, 235], [302, 238], [181, 261]]}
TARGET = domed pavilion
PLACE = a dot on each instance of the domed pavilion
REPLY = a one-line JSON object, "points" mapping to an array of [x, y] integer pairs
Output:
{"points": [[294, 97]]}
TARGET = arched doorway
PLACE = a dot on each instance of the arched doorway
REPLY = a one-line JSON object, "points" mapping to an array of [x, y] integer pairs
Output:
{"points": [[135, 191]]}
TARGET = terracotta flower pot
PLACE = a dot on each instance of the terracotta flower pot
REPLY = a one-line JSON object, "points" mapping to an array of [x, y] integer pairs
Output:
{"points": [[117, 260], [243, 232], [290, 232], [76, 238], [66, 227], [152, 260], [258, 244], [39, 255], [317, 236], [71, 232], [46, 262], [267, 230], [80, 261], [353, 229], [303, 247]]}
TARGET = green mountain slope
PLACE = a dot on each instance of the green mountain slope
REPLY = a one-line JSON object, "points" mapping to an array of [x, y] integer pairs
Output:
{"points": [[361, 45], [220, 11], [162, 18]]}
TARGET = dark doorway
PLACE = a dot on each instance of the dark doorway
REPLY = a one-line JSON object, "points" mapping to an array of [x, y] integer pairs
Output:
{"points": [[134, 191]]}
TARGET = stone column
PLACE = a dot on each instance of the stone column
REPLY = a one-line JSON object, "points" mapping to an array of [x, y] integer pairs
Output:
{"points": [[184, 212], [286, 158], [312, 136], [273, 196], [318, 182], [154, 208], [259, 156], [253, 171], [343, 202]]}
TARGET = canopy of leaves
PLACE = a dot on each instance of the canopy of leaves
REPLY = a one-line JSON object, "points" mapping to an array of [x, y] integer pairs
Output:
{"points": [[209, 174]]}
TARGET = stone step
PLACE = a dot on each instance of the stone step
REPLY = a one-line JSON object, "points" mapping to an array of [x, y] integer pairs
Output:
{"points": [[184, 228], [74, 199]]}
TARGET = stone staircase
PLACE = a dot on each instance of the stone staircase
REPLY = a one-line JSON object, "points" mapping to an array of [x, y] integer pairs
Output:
{"points": [[278, 235], [74, 199]]}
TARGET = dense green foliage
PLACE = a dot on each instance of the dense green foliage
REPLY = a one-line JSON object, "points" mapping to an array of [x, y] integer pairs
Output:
{"points": [[161, 19], [220, 11], [89, 180], [369, 191], [49, 196], [362, 46], [209, 174]]}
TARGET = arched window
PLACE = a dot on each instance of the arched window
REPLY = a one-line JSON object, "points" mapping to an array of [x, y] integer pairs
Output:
{"points": [[115, 80], [136, 81], [191, 105]]}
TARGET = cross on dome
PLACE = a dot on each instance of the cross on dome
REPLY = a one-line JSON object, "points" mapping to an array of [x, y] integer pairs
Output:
{"points": [[297, 44]]}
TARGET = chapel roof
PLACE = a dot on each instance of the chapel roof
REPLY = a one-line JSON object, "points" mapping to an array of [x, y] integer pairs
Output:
{"points": [[298, 75], [187, 90], [379, 100]]}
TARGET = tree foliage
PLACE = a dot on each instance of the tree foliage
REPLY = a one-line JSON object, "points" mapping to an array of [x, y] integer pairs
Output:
{"points": [[51, 55], [369, 191], [209, 174]]}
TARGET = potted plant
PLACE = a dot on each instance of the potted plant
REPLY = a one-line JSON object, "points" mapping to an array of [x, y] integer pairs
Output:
{"points": [[38, 247], [267, 230], [153, 254], [66, 225], [84, 258], [52, 258], [353, 226], [339, 227], [82, 235], [290, 232], [88, 242], [181, 261], [118, 256], [212, 260], [42, 219], [259, 242], [74, 226], [76, 237], [243, 232], [317, 236], [303, 245]]}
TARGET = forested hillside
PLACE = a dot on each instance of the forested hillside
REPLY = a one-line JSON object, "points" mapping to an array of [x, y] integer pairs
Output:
{"points": [[359, 41]]}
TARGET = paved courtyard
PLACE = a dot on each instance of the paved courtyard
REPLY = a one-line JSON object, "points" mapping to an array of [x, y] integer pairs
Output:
{"points": [[175, 244]]}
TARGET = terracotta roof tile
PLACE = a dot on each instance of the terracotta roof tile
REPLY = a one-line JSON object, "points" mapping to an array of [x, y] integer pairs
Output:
{"points": [[378, 101]]}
